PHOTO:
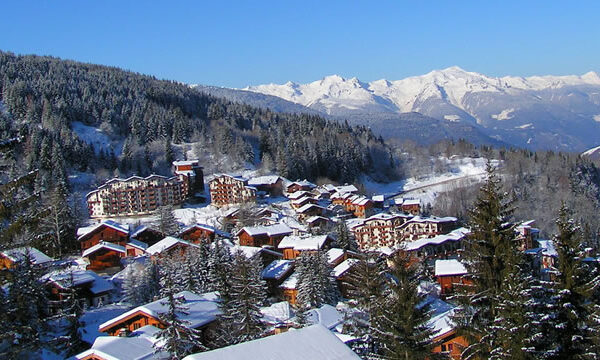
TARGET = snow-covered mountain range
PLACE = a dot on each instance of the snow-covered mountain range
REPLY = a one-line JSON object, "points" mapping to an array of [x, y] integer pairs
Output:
{"points": [[554, 112]]}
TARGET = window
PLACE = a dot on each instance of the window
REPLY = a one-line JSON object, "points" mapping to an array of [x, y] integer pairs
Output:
{"points": [[444, 349], [449, 347], [137, 326]]}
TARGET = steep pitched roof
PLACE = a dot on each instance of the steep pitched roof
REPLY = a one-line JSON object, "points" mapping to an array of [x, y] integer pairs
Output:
{"points": [[269, 230], [103, 245], [18, 254], [166, 244], [302, 243], [201, 310], [449, 267], [82, 232], [311, 342]]}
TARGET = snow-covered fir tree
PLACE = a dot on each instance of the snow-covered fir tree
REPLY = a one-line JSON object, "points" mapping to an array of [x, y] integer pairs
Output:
{"points": [[195, 269], [574, 316], [58, 223], [26, 309], [219, 265], [176, 338], [167, 223], [71, 342], [240, 320], [401, 328], [365, 284], [141, 283], [344, 239], [315, 286], [486, 251]]}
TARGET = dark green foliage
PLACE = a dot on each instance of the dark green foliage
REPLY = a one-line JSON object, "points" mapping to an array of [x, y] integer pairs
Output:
{"points": [[52, 94], [315, 285], [344, 240], [400, 327], [167, 223], [241, 317]]}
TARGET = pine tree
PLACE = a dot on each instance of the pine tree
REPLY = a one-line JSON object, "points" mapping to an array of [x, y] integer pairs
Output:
{"points": [[401, 328], [177, 338], [27, 304], [167, 223], [71, 342], [240, 319], [344, 239], [365, 284], [315, 286], [573, 315], [219, 269], [195, 269], [487, 249], [58, 222]]}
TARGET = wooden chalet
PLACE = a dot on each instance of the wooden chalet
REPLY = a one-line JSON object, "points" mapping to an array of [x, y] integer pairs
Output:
{"points": [[167, 247], [147, 235], [199, 233], [105, 257], [438, 247], [336, 256], [303, 201], [289, 289], [262, 235], [447, 341], [201, 311], [269, 184], [89, 288], [138, 346], [292, 245], [107, 231], [300, 185], [275, 274], [317, 222], [309, 210], [135, 248], [450, 273], [8, 258], [527, 235], [340, 273], [411, 206]]}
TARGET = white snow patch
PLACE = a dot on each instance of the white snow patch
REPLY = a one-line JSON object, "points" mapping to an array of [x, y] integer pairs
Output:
{"points": [[597, 118], [524, 126], [96, 137], [452, 118], [591, 151], [504, 115]]}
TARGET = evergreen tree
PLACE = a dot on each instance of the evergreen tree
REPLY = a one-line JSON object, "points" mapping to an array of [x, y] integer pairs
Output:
{"points": [[177, 338], [487, 249], [344, 239], [365, 284], [195, 269], [167, 223], [27, 304], [401, 329], [58, 223], [573, 318], [315, 286], [240, 319], [71, 342], [219, 269]]}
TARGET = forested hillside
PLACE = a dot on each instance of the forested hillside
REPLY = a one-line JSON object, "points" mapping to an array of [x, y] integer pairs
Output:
{"points": [[45, 99]]}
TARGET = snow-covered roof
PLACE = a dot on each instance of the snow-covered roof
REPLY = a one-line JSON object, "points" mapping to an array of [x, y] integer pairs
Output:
{"points": [[361, 201], [432, 219], [123, 348], [302, 200], [251, 251], [207, 228], [166, 244], [333, 254], [304, 183], [303, 243], [264, 180], [17, 254], [548, 248], [277, 313], [312, 219], [137, 244], [290, 282], [343, 267], [277, 269], [200, 309], [410, 202], [68, 279], [378, 198], [298, 194], [307, 207], [449, 267], [269, 230], [455, 235], [236, 177], [311, 342], [326, 315], [346, 189], [185, 162], [81, 232], [104, 245]]}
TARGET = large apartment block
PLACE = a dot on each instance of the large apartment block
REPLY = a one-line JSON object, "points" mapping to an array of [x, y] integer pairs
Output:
{"points": [[141, 196], [228, 190]]}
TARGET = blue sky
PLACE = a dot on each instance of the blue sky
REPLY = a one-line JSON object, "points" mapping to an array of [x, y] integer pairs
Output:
{"points": [[239, 43]]}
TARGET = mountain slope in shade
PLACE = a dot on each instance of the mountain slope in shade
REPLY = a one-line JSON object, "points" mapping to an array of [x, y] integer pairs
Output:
{"points": [[550, 112]]}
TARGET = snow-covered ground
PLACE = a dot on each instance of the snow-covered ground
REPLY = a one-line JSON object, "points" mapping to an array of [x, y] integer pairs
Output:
{"points": [[463, 171], [96, 137], [93, 317]]}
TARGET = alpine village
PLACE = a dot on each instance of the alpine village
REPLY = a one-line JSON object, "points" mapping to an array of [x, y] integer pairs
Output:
{"points": [[149, 219]]}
